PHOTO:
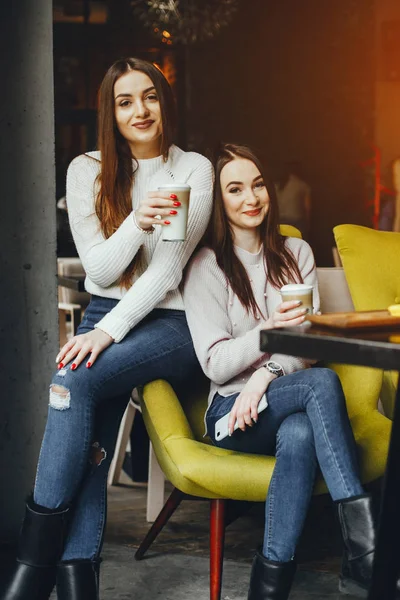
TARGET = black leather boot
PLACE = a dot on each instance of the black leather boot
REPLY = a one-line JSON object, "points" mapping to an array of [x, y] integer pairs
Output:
{"points": [[358, 526], [270, 580], [78, 580], [39, 549]]}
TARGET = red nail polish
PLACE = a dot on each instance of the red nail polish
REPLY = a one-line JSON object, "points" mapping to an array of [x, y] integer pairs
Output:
{"points": [[173, 196], [73, 366], [88, 365], [167, 222], [173, 212], [177, 203], [60, 366]]}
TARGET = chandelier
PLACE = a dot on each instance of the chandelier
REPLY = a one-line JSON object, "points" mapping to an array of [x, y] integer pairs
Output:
{"points": [[185, 21]]}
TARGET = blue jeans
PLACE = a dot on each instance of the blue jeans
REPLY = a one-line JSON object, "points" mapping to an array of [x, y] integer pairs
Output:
{"points": [[305, 425], [83, 423]]}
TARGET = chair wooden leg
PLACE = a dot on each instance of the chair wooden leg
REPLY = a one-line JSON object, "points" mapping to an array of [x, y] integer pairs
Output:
{"points": [[217, 538], [168, 510], [155, 487], [62, 325]]}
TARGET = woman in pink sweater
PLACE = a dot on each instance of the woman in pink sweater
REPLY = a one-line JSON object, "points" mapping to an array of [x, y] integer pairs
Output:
{"points": [[231, 293]]}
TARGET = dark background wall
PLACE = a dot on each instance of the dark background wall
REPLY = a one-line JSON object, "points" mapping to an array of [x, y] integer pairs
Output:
{"points": [[295, 79]]}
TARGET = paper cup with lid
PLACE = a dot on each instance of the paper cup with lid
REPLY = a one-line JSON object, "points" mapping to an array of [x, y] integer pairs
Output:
{"points": [[298, 291]]}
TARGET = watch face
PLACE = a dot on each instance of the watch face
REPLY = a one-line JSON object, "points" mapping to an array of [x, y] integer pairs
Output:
{"points": [[274, 366]]}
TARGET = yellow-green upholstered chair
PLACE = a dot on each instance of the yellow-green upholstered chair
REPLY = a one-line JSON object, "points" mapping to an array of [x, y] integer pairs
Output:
{"points": [[371, 261], [197, 468]]}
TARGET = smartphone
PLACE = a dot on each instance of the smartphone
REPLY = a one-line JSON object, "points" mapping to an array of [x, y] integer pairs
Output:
{"points": [[221, 426]]}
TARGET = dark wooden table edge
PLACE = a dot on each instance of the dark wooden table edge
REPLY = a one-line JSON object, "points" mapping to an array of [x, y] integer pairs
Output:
{"points": [[379, 354]]}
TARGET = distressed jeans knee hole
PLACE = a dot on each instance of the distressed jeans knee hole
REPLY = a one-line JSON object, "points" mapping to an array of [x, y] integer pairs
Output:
{"points": [[60, 397]]}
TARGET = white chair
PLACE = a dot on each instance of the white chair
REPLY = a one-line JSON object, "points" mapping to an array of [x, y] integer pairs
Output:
{"points": [[73, 303], [156, 479], [70, 302]]}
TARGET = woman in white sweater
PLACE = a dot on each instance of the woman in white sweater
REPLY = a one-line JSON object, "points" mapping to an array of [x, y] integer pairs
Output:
{"points": [[231, 293], [134, 329]]}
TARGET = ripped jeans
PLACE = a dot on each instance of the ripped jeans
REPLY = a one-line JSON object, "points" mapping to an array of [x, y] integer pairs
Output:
{"points": [[86, 407]]}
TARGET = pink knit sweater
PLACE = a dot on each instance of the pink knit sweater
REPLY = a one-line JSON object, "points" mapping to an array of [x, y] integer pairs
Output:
{"points": [[226, 337]]}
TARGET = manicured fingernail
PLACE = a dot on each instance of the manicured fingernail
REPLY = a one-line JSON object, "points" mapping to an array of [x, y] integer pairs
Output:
{"points": [[60, 365], [173, 212], [177, 203], [167, 222], [73, 366], [88, 365], [173, 196]]}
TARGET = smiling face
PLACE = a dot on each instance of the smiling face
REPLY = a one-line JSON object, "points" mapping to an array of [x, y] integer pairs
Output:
{"points": [[138, 113], [244, 195]]}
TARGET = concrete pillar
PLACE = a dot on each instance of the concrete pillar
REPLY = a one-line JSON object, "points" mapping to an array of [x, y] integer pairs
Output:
{"points": [[28, 305]]}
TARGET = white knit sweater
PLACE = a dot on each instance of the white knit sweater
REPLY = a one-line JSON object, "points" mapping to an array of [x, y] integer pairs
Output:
{"points": [[226, 337], [104, 260]]}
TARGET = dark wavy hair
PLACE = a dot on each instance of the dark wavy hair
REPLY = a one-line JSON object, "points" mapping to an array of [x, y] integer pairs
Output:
{"points": [[116, 177], [280, 263]]}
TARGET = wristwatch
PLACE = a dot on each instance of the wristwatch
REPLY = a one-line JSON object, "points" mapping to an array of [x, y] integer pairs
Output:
{"points": [[275, 368]]}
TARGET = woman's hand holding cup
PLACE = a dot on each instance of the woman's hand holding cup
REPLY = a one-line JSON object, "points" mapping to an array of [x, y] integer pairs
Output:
{"points": [[156, 209], [287, 314], [297, 302]]}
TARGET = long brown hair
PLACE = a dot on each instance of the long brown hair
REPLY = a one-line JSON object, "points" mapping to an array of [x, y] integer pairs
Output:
{"points": [[280, 263], [115, 180]]}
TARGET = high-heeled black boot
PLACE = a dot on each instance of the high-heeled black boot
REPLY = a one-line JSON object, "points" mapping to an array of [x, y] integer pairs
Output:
{"points": [[270, 580], [39, 549], [78, 580], [358, 527]]}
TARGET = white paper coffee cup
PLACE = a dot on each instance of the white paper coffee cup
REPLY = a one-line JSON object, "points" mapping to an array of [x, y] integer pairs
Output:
{"points": [[176, 231], [301, 292]]}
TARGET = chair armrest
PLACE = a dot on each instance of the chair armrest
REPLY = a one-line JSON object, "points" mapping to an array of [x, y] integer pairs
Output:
{"points": [[162, 408]]}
